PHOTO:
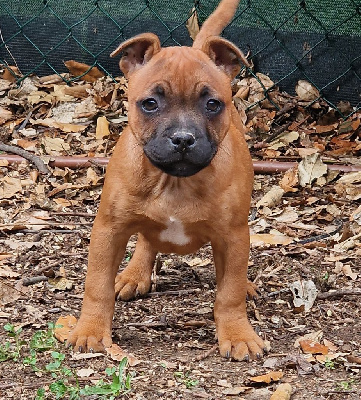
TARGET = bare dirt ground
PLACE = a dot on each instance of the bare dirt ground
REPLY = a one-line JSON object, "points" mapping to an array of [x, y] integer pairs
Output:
{"points": [[306, 233]]}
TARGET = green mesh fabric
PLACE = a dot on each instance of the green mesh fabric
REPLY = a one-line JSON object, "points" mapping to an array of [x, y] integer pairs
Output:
{"points": [[315, 40]]}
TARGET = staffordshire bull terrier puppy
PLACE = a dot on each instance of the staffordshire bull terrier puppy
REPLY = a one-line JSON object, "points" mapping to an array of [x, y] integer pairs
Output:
{"points": [[180, 176]]}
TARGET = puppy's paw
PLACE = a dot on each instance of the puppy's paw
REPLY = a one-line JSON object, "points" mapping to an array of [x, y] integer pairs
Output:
{"points": [[238, 340], [89, 337], [129, 285]]}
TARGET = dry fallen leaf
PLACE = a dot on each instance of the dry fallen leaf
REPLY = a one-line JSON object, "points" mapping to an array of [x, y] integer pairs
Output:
{"points": [[9, 187], [323, 358], [18, 244], [347, 271], [352, 177], [63, 326], [63, 202], [117, 354], [311, 168], [80, 91], [86, 356], [60, 283], [283, 392], [192, 24], [7, 293], [271, 198], [353, 359], [349, 186], [54, 146], [348, 244], [260, 239], [272, 376], [316, 336], [102, 128], [5, 114], [4, 256], [198, 262], [312, 347], [290, 180], [288, 215], [224, 383], [306, 92], [76, 68], [242, 94], [10, 76], [284, 140], [65, 127], [85, 372], [234, 391], [331, 346]]}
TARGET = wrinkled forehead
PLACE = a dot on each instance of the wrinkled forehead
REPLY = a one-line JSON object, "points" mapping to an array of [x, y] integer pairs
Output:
{"points": [[180, 69]]}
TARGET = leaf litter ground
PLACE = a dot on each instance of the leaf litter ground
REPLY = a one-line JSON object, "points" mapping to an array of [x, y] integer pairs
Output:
{"points": [[305, 226]]}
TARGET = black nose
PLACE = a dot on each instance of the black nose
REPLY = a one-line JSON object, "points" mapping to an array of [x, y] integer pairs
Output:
{"points": [[182, 141]]}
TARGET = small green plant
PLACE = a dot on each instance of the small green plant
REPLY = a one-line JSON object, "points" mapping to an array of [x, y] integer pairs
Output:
{"points": [[5, 352], [43, 340], [184, 377], [346, 385], [120, 383], [40, 341], [329, 364], [10, 350], [62, 387], [31, 360], [61, 373], [40, 394]]}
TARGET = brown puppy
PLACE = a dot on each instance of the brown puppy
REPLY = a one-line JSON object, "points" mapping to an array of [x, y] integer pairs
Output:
{"points": [[180, 176]]}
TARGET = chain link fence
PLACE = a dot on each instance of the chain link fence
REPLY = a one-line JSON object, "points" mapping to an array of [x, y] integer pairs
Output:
{"points": [[288, 40]]}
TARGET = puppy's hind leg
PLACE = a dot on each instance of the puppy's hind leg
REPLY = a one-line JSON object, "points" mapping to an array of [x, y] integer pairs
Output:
{"points": [[136, 277]]}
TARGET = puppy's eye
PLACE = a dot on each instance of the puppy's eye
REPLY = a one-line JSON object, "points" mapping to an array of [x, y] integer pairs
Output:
{"points": [[213, 105], [150, 105]]}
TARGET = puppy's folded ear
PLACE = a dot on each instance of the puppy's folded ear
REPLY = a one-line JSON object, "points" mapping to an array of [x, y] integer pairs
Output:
{"points": [[137, 51], [225, 55]]}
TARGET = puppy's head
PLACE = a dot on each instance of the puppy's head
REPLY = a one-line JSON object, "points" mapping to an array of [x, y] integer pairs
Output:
{"points": [[179, 99]]}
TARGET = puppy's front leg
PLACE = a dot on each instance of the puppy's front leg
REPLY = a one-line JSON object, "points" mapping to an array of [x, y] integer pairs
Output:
{"points": [[107, 247], [236, 337]]}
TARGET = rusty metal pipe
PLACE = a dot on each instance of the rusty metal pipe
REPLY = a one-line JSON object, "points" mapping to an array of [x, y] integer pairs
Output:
{"points": [[260, 167]]}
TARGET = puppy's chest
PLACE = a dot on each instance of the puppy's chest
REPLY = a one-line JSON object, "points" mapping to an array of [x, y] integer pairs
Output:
{"points": [[175, 219], [174, 232]]}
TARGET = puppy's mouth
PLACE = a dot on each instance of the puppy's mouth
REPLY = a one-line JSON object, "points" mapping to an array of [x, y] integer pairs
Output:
{"points": [[180, 154]]}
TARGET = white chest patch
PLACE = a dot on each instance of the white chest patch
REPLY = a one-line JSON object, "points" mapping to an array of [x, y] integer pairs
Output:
{"points": [[174, 233]]}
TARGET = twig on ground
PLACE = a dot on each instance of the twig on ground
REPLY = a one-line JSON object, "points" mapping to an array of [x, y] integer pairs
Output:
{"points": [[206, 354], [276, 293], [35, 231], [277, 131], [322, 295], [36, 160], [172, 292], [47, 267], [34, 280], [26, 120], [148, 324], [74, 214], [338, 293], [49, 224]]}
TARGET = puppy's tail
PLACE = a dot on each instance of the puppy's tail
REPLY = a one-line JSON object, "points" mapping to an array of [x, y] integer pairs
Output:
{"points": [[216, 22]]}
